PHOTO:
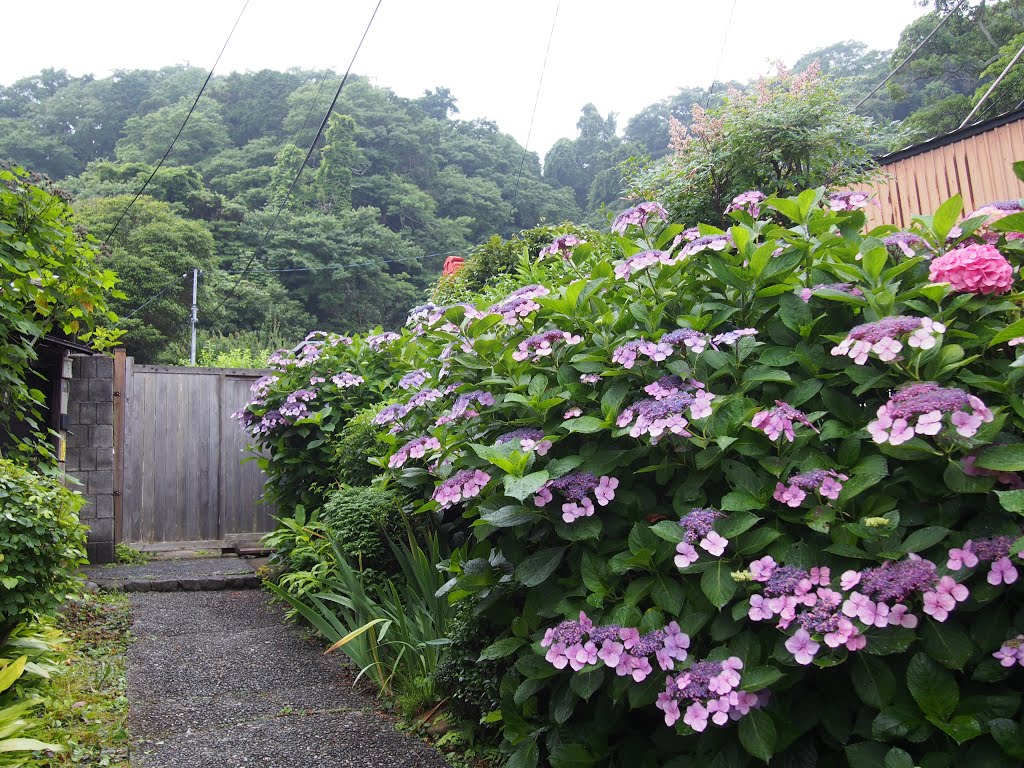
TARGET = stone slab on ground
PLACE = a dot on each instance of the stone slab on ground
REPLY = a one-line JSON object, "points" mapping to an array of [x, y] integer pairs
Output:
{"points": [[191, 575], [216, 680]]}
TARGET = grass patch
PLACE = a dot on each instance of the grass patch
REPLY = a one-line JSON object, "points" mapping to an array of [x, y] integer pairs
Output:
{"points": [[87, 703]]}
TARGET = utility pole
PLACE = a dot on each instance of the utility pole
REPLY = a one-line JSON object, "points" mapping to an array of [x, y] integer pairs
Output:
{"points": [[195, 314]]}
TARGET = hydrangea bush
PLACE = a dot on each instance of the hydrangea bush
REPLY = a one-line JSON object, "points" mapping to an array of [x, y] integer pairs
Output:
{"points": [[734, 495]]}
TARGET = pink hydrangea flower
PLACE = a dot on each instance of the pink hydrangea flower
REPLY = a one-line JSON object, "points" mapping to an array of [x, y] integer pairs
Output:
{"points": [[802, 647], [973, 268]]}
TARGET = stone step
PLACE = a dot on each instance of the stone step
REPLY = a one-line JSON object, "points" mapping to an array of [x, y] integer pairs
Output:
{"points": [[202, 584]]}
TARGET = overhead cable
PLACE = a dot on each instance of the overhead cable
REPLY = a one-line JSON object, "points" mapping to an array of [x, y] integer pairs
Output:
{"points": [[309, 154], [181, 128], [912, 53], [721, 55], [533, 116]]}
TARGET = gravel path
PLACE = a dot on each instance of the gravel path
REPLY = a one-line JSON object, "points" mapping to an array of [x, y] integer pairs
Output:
{"points": [[216, 680]]}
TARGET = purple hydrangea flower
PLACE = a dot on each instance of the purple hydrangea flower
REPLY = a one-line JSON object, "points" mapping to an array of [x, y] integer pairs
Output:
{"points": [[461, 486], [904, 242], [415, 448], [749, 201], [414, 379], [826, 482], [562, 245], [641, 261], [921, 409], [346, 379], [519, 304], [848, 201], [527, 439], [542, 344], [780, 420], [706, 243], [638, 216], [882, 338], [655, 417], [377, 342]]}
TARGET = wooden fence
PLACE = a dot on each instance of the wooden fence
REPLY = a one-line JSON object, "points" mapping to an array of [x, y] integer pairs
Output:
{"points": [[975, 162], [182, 474]]}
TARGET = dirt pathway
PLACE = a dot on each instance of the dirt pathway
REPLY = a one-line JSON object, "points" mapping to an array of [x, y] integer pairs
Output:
{"points": [[216, 680]]}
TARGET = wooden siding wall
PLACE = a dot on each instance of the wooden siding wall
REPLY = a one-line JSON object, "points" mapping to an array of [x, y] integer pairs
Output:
{"points": [[977, 167], [184, 480]]}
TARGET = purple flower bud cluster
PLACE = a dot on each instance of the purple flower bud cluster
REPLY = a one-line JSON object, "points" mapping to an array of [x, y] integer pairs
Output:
{"points": [[749, 201], [882, 338], [425, 313], [1011, 652], [904, 242], [825, 482], [527, 439], [670, 385], [415, 448], [460, 486], [921, 409], [576, 487], [561, 245], [462, 407], [579, 644], [848, 201], [637, 216], [806, 598], [641, 261], [688, 338], [698, 526], [346, 379], [542, 344], [779, 421], [519, 304], [706, 243], [994, 550], [848, 288], [261, 388], [378, 341], [270, 421], [657, 416], [414, 379], [731, 337], [590, 378], [710, 691]]}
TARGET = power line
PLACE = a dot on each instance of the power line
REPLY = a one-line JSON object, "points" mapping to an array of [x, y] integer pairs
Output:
{"points": [[904, 62], [309, 154], [992, 87], [367, 262], [536, 101], [150, 300], [184, 122], [721, 55]]}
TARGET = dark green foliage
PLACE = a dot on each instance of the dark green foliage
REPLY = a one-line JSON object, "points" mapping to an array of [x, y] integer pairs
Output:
{"points": [[471, 686], [359, 521], [43, 544], [50, 281], [358, 442]]}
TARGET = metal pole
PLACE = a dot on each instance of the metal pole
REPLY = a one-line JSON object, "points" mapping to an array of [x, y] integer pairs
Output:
{"points": [[195, 313], [991, 88]]}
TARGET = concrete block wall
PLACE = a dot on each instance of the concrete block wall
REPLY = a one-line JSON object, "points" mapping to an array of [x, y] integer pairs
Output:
{"points": [[90, 449]]}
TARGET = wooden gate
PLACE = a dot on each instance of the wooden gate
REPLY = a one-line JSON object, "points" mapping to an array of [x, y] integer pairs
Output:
{"points": [[183, 478]]}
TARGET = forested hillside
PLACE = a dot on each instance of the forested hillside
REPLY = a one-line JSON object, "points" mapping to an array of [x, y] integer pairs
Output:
{"points": [[395, 184]]}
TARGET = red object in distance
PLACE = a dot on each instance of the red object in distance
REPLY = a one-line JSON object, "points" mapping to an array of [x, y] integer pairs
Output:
{"points": [[452, 265]]}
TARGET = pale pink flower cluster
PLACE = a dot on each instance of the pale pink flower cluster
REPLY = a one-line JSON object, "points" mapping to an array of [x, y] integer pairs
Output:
{"points": [[461, 486], [415, 449], [698, 527], [827, 483], [576, 487], [994, 550], [656, 417], [590, 378], [641, 261], [542, 344], [1011, 652], [346, 379], [922, 409], [974, 268], [378, 341], [706, 243], [579, 644], [638, 216], [848, 201], [749, 201], [883, 338], [519, 304], [710, 692], [563, 245], [779, 421]]}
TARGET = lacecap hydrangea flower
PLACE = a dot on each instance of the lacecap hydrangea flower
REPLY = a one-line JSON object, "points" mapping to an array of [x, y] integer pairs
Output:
{"points": [[884, 338], [928, 409], [463, 485], [638, 216], [575, 487]]}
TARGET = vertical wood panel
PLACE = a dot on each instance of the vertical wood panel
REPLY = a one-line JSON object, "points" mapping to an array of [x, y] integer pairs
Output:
{"points": [[978, 167], [184, 480]]}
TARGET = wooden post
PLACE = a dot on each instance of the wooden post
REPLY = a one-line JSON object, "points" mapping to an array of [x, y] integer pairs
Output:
{"points": [[120, 383]]}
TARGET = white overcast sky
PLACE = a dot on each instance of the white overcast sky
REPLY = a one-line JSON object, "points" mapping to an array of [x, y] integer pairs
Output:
{"points": [[619, 55]]}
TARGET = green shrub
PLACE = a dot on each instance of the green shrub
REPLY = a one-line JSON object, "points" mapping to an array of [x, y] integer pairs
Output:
{"points": [[784, 458], [358, 442], [359, 521], [43, 544], [471, 685]]}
